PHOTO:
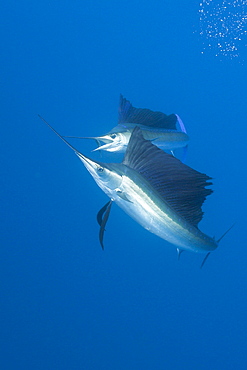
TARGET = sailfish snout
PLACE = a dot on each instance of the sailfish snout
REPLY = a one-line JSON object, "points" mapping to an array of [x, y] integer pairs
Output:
{"points": [[107, 141]]}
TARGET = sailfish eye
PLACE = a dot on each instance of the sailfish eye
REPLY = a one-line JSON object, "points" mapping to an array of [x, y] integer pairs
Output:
{"points": [[113, 136], [100, 169]]}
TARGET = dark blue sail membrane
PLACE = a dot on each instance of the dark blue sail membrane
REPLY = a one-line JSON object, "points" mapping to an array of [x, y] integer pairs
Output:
{"points": [[178, 184], [128, 114]]}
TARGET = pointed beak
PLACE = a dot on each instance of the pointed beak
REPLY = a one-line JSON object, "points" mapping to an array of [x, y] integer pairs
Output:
{"points": [[110, 143], [106, 139], [103, 147], [90, 165]]}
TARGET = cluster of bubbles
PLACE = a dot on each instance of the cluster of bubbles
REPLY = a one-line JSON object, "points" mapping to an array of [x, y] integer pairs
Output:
{"points": [[223, 26]]}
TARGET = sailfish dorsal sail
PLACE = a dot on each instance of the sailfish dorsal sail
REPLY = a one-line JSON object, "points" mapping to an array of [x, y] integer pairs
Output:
{"points": [[183, 188], [129, 114]]}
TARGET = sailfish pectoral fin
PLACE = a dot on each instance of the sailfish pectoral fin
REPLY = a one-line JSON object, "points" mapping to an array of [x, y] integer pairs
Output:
{"points": [[101, 213], [102, 218], [122, 195]]}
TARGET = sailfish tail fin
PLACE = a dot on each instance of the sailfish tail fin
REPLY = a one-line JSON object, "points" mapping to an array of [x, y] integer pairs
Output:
{"points": [[205, 258], [225, 233]]}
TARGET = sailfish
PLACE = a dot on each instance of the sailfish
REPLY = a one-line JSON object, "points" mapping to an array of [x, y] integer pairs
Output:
{"points": [[165, 131], [157, 190]]}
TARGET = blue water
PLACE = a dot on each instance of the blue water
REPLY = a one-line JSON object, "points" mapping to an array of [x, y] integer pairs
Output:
{"points": [[64, 303]]}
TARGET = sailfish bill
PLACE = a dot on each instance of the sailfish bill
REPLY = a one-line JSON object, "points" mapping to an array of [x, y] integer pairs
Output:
{"points": [[157, 190]]}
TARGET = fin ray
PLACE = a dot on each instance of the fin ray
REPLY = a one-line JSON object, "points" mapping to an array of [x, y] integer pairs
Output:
{"points": [[128, 114], [182, 187]]}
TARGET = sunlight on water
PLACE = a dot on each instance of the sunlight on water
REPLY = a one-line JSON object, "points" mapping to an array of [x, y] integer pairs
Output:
{"points": [[223, 26]]}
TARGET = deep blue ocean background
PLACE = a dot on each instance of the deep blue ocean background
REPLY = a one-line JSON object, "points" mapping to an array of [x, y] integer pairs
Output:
{"points": [[64, 303]]}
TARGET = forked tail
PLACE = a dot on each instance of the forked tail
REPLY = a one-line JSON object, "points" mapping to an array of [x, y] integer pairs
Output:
{"points": [[205, 258]]}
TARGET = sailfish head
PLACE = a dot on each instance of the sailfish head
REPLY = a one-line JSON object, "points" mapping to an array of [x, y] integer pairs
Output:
{"points": [[105, 175], [114, 141]]}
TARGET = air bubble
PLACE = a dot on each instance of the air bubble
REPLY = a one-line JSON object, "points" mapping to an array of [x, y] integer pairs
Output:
{"points": [[223, 26]]}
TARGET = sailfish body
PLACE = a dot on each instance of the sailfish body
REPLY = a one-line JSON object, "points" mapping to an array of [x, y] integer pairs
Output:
{"points": [[159, 128], [157, 190], [144, 204]]}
